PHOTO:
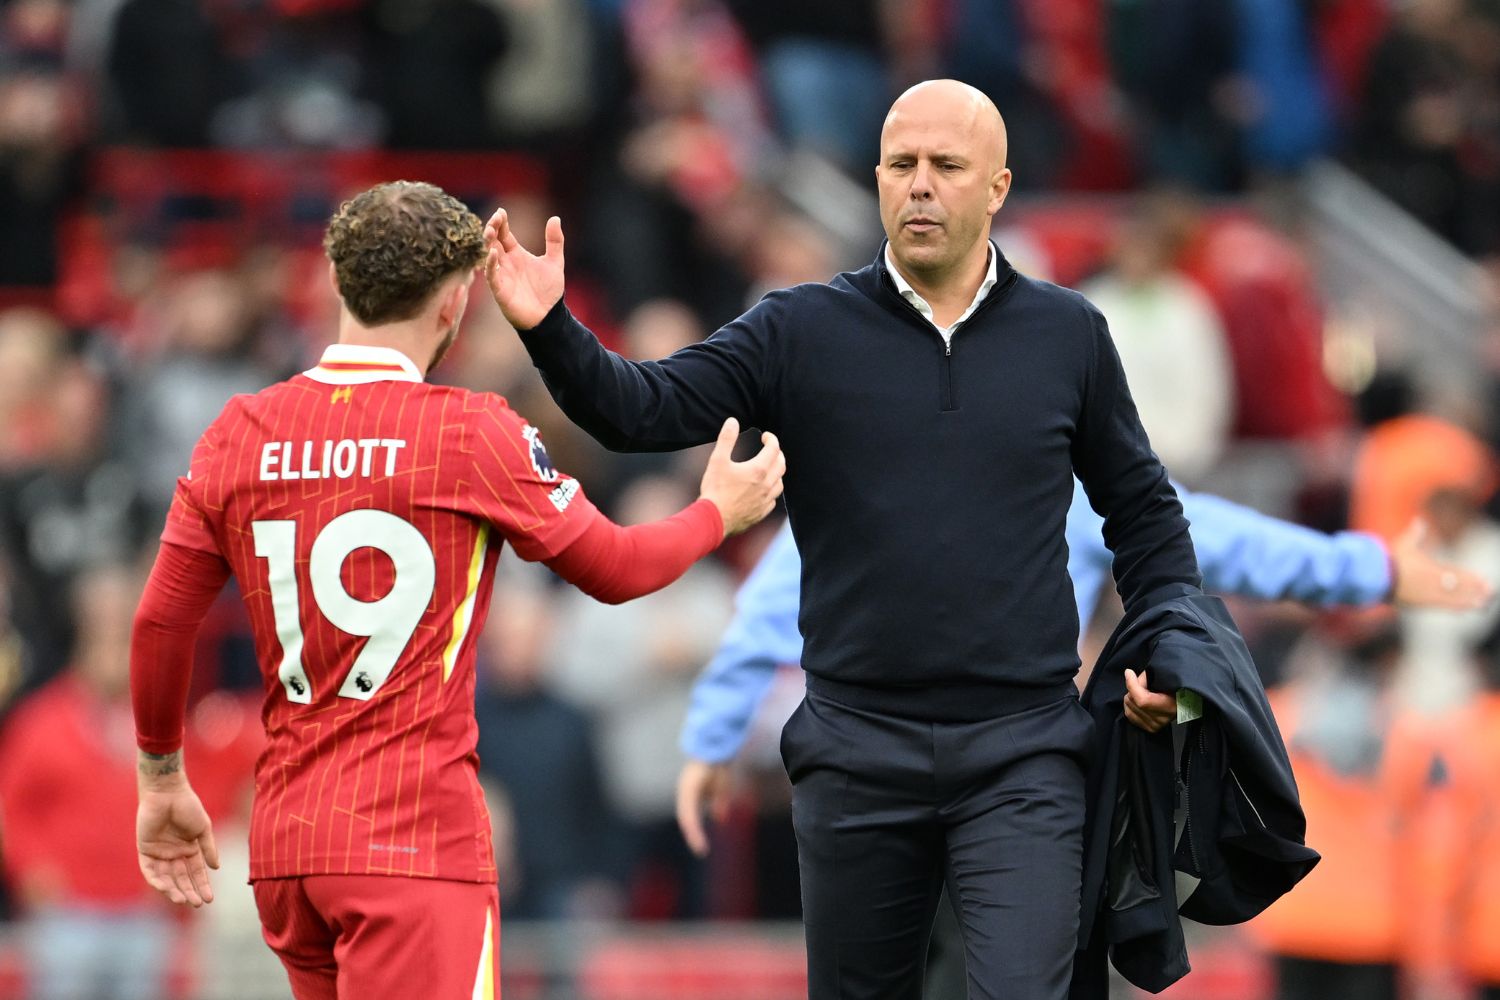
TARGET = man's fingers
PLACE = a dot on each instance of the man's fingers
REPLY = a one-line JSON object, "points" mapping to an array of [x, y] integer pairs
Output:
{"points": [[728, 435], [501, 223], [769, 454], [182, 890], [690, 815], [555, 240], [198, 875], [209, 848]]}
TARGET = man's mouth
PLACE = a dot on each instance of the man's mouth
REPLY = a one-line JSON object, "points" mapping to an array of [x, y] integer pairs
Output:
{"points": [[921, 225]]}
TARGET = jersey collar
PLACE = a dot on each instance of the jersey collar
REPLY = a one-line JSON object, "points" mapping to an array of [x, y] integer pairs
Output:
{"points": [[357, 364]]}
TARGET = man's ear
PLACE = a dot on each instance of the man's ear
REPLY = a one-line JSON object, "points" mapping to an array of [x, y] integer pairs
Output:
{"points": [[999, 188], [454, 301], [333, 279]]}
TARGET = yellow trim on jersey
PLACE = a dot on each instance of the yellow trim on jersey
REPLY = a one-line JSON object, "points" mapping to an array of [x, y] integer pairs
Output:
{"points": [[484, 979], [463, 617]]}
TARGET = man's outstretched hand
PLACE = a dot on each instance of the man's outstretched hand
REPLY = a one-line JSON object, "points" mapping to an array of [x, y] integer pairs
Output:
{"points": [[525, 286], [1422, 581]]}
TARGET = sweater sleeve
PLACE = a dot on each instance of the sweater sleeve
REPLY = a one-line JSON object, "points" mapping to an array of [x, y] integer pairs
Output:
{"points": [[1126, 485], [677, 402], [182, 586], [614, 564]]}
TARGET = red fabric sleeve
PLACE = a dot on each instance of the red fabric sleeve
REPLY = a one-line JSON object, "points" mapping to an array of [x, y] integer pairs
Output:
{"points": [[614, 564], [182, 586]]}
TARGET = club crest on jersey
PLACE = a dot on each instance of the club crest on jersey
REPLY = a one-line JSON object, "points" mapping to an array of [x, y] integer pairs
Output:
{"points": [[539, 460]]}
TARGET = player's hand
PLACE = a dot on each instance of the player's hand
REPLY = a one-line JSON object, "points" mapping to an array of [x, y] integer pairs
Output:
{"points": [[525, 286], [1147, 709], [175, 844], [701, 787], [745, 492], [1423, 581]]}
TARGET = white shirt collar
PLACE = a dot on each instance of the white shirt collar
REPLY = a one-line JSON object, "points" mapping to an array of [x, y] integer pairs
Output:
{"points": [[925, 308], [358, 364]]}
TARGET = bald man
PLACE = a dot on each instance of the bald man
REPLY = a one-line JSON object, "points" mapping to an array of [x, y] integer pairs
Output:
{"points": [[934, 407]]}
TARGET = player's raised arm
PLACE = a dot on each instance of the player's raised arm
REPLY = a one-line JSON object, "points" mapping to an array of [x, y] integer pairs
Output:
{"points": [[615, 564]]}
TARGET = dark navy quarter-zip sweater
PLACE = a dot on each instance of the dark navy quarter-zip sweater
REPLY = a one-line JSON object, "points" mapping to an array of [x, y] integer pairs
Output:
{"points": [[927, 484]]}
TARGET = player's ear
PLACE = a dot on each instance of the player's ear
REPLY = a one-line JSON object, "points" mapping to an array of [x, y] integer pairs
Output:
{"points": [[333, 279], [453, 301]]}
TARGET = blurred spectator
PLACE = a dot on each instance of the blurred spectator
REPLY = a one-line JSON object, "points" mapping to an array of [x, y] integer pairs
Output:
{"points": [[1171, 344], [92, 929], [15, 653], [1403, 461], [301, 70], [1066, 58], [789, 250], [696, 136], [543, 85], [824, 69], [540, 750], [168, 70], [32, 345], [40, 170], [986, 44], [660, 327], [205, 351], [1472, 744], [1419, 466], [1267, 297], [75, 508], [1177, 60], [1426, 130], [433, 62], [1437, 672], [1362, 772], [1284, 104], [633, 666]]}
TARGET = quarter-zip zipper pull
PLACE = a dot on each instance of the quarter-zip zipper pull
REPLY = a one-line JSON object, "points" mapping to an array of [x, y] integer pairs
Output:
{"points": [[948, 347]]}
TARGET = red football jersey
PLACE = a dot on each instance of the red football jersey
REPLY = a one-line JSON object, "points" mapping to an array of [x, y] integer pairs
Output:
{"points": [[362, 511]]}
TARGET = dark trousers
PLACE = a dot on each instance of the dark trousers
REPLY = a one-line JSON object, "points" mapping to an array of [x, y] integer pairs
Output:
{"points": [[888, 810], [1310, 979]]}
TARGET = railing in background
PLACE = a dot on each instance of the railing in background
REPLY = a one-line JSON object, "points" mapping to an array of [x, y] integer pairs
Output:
{"points": [[1395, 289]]}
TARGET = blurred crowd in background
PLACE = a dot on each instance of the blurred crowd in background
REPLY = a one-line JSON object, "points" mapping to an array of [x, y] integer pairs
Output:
{"points": [[166, 167]]}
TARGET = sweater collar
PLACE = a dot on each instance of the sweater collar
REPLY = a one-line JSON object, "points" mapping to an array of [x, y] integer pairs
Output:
{"points": [[921, 305]]}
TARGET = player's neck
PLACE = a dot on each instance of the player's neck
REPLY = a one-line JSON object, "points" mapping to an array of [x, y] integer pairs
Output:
{"points": [[405, 336]]}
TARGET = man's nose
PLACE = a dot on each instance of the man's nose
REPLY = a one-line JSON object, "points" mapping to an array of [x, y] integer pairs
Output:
{"points": [[921, 183]]}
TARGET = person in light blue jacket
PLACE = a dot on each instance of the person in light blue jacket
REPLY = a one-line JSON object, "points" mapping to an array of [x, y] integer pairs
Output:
{"points": [[1239, 550]]}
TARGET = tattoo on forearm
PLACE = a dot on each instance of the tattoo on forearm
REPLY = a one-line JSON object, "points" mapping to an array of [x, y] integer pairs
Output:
{"points": [[156, 765]]}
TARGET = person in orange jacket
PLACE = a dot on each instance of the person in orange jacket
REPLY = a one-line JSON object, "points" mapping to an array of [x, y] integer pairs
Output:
{"points": [[1364, 770], [1473, 746]]}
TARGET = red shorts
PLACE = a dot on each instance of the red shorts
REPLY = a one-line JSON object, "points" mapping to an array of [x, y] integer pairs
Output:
{"points": [[343, 937]]}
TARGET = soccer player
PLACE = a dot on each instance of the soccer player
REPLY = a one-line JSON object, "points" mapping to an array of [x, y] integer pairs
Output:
{"points": [[362, 511]]}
